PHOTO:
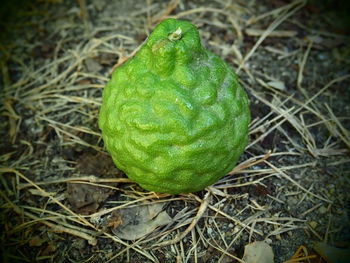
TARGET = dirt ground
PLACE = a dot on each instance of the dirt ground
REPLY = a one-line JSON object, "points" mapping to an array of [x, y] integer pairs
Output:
{"points": [[63, 200]]}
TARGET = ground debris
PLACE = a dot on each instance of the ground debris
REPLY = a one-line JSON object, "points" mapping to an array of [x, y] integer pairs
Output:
{"points": [[258, 252], [86, 198], [136, 222]]}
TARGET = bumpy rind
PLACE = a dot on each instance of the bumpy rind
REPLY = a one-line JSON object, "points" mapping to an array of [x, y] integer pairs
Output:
{"points": [[173, 117]]}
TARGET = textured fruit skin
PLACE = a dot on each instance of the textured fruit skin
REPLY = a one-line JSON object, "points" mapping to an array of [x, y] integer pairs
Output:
{"points": [[173, 117]]}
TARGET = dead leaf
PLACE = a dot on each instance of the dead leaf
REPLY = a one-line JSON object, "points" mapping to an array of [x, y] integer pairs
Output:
{"points": [[139, 221], [85, 198], [114, 220], [258, 252]]}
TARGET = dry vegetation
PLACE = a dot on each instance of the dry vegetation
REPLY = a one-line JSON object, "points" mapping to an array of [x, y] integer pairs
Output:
{"points": [[290, 188]]}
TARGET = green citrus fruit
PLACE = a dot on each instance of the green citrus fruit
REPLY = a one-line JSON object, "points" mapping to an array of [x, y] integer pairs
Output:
{"points": [[173, 117]]}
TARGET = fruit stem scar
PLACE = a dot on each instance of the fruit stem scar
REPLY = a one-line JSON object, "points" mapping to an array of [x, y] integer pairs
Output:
{"points": [[176, 35]]}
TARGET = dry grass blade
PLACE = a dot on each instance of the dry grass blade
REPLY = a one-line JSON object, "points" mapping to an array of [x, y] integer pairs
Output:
{"points": [[82, 179], [54, 227], [83, 221], [296, 183], [275, 33], [298, 256], [249, 163], [343, 134], [164, 13], [294, 7], [202, 208], [230, 17], [273, 12], [301, 68], [14, 119]]}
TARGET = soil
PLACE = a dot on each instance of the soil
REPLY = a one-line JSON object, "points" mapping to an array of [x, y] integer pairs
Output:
{"points": [[62, 198]]}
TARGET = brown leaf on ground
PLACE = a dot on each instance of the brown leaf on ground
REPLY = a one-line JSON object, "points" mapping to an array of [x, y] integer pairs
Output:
{"points": [[85, 198], [114, 220], [139, 221]]}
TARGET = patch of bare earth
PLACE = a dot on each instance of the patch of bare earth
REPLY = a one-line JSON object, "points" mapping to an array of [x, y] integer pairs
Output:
{"points": [[62, 199]]}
